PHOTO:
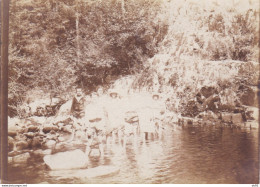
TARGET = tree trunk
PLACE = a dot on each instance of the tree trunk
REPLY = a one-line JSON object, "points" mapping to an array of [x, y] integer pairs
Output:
{"points": [[77, 33]]}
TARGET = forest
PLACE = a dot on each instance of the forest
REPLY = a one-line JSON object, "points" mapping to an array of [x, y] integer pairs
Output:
{"points": [[56, 46]]}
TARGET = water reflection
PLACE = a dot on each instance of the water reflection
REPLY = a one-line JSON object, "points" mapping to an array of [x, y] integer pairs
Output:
{"points": [[205, 154]]}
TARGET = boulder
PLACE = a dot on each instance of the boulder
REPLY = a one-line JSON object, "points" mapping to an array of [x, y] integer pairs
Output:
{"points": [[33, 128], [49, 128], [21, 145], [12, 133], [36, 142], [237, 118]]}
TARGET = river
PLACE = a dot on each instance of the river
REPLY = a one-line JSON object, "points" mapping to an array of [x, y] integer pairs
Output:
{"points": [[201, 154]]}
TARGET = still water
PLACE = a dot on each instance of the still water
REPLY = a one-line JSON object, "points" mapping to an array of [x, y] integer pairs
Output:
{"points": [[205, 154]]}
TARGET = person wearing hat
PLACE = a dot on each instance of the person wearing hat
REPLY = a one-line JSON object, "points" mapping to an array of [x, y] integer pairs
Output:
{"points": [[115, 114], [158, 110]]}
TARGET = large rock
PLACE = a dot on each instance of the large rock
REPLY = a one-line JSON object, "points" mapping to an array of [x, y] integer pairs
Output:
{"points": [[36, 142], [12, 133], [49, 128], [21, 145], [33, 128]]}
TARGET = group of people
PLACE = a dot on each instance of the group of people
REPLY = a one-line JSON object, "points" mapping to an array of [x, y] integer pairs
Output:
{"points": [[109, 118]]}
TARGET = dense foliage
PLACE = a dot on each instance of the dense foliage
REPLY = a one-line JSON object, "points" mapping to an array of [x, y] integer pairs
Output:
{"points": [[58, 45]]}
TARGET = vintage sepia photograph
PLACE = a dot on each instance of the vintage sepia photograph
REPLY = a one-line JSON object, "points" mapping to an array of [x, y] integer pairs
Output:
{"points": [[130, 91]]}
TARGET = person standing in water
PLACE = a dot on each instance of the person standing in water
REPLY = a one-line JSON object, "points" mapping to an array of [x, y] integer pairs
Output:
{"points": [[96, 118], [78, 110]]}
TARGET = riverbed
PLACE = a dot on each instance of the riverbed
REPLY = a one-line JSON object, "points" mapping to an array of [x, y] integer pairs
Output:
{"points": [[190, 154]]}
